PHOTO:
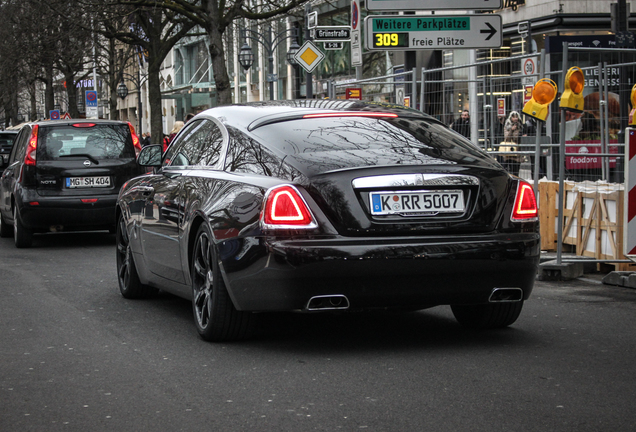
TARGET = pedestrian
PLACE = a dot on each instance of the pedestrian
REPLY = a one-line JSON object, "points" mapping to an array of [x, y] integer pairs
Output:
{"points": [[462, 124], [513, 128], [499, 128], [178, 125], [145, 140], [189, 117]]}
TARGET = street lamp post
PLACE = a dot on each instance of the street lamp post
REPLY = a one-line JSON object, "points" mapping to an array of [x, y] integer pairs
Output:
{"points": [[122, 92], [269, 43]]}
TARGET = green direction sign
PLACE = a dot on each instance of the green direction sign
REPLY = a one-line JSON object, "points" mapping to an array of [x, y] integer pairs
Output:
{"points": [[412, 5], [384, 32]]}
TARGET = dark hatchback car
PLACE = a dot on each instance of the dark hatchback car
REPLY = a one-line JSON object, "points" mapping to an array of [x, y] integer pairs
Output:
{"points": [[6, 144], [65, 176], [326, 206]]}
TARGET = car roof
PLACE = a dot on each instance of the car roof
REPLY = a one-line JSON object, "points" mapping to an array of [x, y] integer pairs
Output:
{"points": [[251, 115]]}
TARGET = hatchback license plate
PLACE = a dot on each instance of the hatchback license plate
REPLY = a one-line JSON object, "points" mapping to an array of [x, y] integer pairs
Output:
{"points": [[414, 202], [87, 182]]}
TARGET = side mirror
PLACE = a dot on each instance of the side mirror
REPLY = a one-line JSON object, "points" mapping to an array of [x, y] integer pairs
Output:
{"points": [[150, 156]]}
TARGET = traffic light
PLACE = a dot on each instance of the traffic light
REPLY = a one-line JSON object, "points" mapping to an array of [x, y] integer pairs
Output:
{"points": [[572, 97], [543, 94], [633, 98]]}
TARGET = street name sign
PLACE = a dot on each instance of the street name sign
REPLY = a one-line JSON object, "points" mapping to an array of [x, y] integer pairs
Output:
{"points": [[413, 5], [309, 56], [332, 34], [384, 32]]}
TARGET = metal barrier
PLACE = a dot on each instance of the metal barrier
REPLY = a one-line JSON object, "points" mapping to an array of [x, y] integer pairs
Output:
{"points": [[381, 89], [582, 148]]}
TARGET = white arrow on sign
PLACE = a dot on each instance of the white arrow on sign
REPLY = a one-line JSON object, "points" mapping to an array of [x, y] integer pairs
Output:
{"points": [[388, 32], [412, 5]]}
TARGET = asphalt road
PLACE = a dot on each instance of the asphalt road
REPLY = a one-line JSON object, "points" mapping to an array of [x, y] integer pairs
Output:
{"points": [[76, 356]]}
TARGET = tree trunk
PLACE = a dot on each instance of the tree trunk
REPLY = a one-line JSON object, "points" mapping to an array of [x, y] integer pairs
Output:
{"points": [[34, 108], [113, 78], [154, 99], [71, 93], [221, 78], [49, 91]]}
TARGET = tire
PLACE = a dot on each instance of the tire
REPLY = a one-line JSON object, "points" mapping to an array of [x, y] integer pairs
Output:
{"points": [[215, 316], [487, 316], [22, 237], [6, 230], [129, 284]]}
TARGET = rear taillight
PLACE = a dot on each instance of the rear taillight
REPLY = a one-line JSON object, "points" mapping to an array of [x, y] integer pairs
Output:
{"points": [[285, 208], [135, 139], [31, 150], [83, 125], [525, 203]]}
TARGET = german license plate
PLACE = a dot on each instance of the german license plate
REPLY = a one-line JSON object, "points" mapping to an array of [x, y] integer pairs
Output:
{"points": [[87, 182], [417, 202]]}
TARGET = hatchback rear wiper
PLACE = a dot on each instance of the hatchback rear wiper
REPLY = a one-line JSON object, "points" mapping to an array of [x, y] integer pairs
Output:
{"points": [[86, 155]]}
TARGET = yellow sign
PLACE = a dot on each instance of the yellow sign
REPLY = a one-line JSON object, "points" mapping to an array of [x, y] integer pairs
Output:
{"points": [[309, 56]]}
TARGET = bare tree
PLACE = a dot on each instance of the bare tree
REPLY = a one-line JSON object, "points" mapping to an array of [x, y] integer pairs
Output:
{"points": [[155, 31], [215, 17]]}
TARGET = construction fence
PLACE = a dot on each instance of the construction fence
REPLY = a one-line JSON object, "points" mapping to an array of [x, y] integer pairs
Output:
{"points": [[581, 153]]}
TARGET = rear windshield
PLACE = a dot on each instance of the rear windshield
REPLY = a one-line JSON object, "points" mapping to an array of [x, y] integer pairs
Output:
{"points": [[6, 139], [360, 133], [101, 141]]}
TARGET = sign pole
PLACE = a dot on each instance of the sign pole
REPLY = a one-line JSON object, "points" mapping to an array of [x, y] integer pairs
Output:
{"points": [[309, 87]]}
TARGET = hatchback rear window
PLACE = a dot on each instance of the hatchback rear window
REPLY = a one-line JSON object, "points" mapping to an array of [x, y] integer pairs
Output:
{"points": [[101, 141]]}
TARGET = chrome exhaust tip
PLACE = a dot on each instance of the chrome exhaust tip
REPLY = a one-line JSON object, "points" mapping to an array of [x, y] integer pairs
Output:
{"points": [[503, 295], [327, 302]]}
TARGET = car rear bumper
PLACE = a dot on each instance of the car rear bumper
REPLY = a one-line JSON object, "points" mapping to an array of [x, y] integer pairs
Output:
{"points": [[380, 273], [44, 214]]}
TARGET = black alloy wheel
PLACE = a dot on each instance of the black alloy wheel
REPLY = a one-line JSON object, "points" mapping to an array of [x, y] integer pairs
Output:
{"points": [[22, 237], [129, 284], [215, 316], [487, 316]]}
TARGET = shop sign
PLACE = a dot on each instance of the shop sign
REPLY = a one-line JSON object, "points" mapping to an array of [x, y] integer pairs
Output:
{"points": [[501, 106], [586, 151]]}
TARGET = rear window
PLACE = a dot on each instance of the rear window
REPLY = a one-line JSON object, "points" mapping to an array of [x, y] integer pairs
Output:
{"points": [[360, 133], [6, 139], [102, 141]]}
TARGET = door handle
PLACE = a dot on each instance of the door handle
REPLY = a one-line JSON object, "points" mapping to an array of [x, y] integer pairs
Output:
{"points": [[145, 190]]}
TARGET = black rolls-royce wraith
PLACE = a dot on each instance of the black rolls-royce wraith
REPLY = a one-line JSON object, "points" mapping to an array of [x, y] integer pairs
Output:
{"points": [[323, 206]]}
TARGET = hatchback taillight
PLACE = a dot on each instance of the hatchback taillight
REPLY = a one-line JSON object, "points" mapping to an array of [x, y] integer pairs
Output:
{"points": [[525, 207], [31, 150], [285, 208]]}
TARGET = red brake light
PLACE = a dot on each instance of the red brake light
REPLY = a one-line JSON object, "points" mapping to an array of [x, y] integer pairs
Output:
{"points": [[525, 203], [351, 114], [284, 207], [135, 139], [89, 200], [86, 125], [31, 150]]}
